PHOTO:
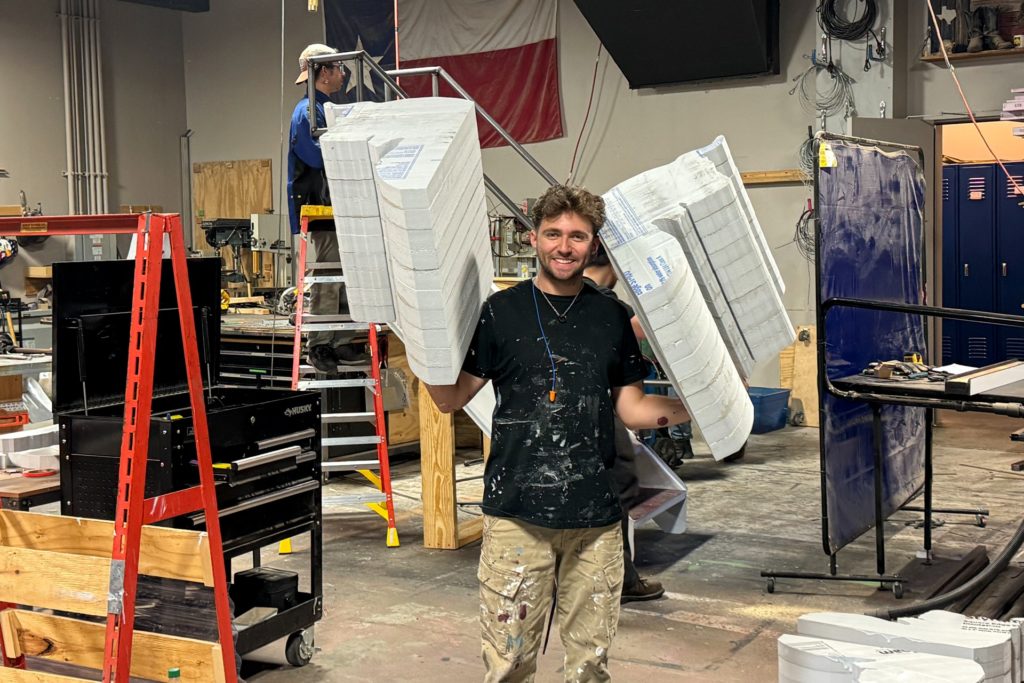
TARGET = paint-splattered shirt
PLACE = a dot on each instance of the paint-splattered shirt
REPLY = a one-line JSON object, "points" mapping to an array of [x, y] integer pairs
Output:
{"points": [[550, 460]]}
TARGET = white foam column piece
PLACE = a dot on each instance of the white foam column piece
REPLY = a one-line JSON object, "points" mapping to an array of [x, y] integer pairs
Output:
{"points": [[690, 199], [348, 164], [817, 660], [720, 155], [993, 651], [683, 334], [412, 223]]}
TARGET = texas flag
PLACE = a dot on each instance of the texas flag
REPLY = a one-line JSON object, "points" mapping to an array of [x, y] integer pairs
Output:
{"points": [[502, 52]]}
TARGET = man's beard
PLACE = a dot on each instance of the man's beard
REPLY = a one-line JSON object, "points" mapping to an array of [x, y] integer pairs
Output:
{"points": [[582, 265]]}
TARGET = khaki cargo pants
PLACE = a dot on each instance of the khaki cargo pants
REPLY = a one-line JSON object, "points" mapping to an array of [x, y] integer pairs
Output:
{"points": [[520, 567]]}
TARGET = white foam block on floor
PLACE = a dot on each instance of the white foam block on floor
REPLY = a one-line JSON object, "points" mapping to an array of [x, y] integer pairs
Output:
{"points": [[819, 660], [993, 651], [684, 336], [699, 206], [956, 622]]}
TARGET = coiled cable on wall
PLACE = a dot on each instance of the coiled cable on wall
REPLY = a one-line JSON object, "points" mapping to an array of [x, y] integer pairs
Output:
{"points": [[837, 26], [836, 99]]}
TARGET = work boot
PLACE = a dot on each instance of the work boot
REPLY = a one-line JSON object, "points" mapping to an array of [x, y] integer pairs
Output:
{"points": [[348, 355], [643, 589], [990, 27], [977, 39], [322, 358], [738, 455]]}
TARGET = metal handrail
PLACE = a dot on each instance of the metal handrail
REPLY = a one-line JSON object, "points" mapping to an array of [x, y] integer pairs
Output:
{"points": [[436, 73]]}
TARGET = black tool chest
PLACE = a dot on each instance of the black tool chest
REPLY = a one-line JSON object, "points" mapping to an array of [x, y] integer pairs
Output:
{"points": [[265, 443]]}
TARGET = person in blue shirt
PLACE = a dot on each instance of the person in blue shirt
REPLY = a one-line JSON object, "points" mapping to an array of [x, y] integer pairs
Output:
{"points": [[307, 185]]}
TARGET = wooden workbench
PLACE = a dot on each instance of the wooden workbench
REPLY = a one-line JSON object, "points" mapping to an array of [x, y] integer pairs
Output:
{"points": [[21, 493]]}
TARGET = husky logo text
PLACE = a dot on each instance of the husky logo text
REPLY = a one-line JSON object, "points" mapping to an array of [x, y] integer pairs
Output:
{"points": [[298, 410]]}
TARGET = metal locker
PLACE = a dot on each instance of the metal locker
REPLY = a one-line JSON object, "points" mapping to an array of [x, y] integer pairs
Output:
{"points": [[1010, 258], [950, 348], [976, 264]]}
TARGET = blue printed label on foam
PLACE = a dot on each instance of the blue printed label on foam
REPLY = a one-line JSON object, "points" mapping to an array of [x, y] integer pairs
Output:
{"points": [[635, 285], [343, 111], [660, 268], [621, 221], [397, 163]]}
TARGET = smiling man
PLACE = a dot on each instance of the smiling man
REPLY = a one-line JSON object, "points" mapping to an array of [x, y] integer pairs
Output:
{"points": [[564, 361]]}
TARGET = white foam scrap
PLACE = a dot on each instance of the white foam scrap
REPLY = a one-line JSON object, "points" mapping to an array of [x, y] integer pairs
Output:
{"points": [[956, 622], [992, 651], [818, 660], [414, 241]]}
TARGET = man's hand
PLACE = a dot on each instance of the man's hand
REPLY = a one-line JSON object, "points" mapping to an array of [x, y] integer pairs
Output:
{"points": [[452, 397]]}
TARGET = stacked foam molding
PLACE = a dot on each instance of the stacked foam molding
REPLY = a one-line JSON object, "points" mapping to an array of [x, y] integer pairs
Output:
{"points": [[805, 659], [705, 288], [993, 651], [349, 167], [433, 249], [955, 623]]}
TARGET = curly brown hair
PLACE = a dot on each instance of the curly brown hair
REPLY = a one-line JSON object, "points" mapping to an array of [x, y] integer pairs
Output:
{"points": [[559, 199]]}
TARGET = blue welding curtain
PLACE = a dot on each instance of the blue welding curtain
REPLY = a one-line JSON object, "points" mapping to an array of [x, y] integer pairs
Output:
{"points": [[871, 220]]}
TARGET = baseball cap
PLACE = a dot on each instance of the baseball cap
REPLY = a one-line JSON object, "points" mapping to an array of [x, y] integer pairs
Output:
{"points": [[314, 50]]}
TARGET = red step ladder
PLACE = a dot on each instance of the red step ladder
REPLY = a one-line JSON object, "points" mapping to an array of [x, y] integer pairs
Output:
{"points": [[133, 508], [381, 501]]}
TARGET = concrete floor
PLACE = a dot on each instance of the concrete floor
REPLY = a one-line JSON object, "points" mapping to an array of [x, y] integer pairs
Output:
{"points": [[410, 614]]}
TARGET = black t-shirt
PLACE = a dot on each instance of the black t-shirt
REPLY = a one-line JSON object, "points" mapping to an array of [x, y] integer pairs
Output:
{"points": [[550, 461]]}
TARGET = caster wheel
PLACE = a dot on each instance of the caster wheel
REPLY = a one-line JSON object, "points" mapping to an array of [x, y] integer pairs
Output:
{"points": [[769, 585], [981, 520], [797, 419], [897, 590], [299, 651]]}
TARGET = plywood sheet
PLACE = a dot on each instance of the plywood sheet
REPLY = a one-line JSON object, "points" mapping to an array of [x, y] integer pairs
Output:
{"points": [[229, 189], [798, 372], [403, 426]]}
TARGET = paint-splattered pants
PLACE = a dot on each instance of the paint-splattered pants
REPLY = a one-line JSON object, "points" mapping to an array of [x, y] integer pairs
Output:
{"points": [[520, 567]]}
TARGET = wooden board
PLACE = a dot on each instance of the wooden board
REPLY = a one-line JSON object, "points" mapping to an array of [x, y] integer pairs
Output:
{"points": [[229, 189], [9, 675], [167, 553], [437, 469], [798, 372], [785, 176], [39, 271], [82, 643], [70, 583], [403, 426]]}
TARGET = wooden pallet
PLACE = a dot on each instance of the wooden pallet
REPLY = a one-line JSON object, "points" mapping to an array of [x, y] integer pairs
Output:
{"points": [[63, 564]]}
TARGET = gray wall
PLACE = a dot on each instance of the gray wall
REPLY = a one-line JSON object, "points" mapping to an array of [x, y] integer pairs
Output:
{"points": [[223, 74], [143, 89], [239, 99]]}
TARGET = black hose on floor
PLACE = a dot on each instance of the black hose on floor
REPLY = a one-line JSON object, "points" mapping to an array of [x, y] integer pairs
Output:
{"points": [[982, 579]]}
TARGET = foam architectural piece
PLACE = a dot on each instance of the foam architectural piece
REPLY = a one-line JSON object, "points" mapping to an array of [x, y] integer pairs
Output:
{"points": [[993, 651], [817, 660], [704, 285], [413, 168], [956, 622], [699, 206]]}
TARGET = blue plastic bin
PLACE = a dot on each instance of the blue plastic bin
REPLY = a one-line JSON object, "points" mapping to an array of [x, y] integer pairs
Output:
{"points": [[771, 408]]}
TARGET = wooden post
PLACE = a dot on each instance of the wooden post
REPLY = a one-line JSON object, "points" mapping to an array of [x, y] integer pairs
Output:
{"points": [[437, 470]]}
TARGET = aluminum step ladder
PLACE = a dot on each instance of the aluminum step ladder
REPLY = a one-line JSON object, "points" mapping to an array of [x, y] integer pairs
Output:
{"points": [[376, 470]]}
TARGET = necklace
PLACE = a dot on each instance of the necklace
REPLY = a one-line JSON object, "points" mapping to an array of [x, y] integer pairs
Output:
{"points": [[561, 315]]}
